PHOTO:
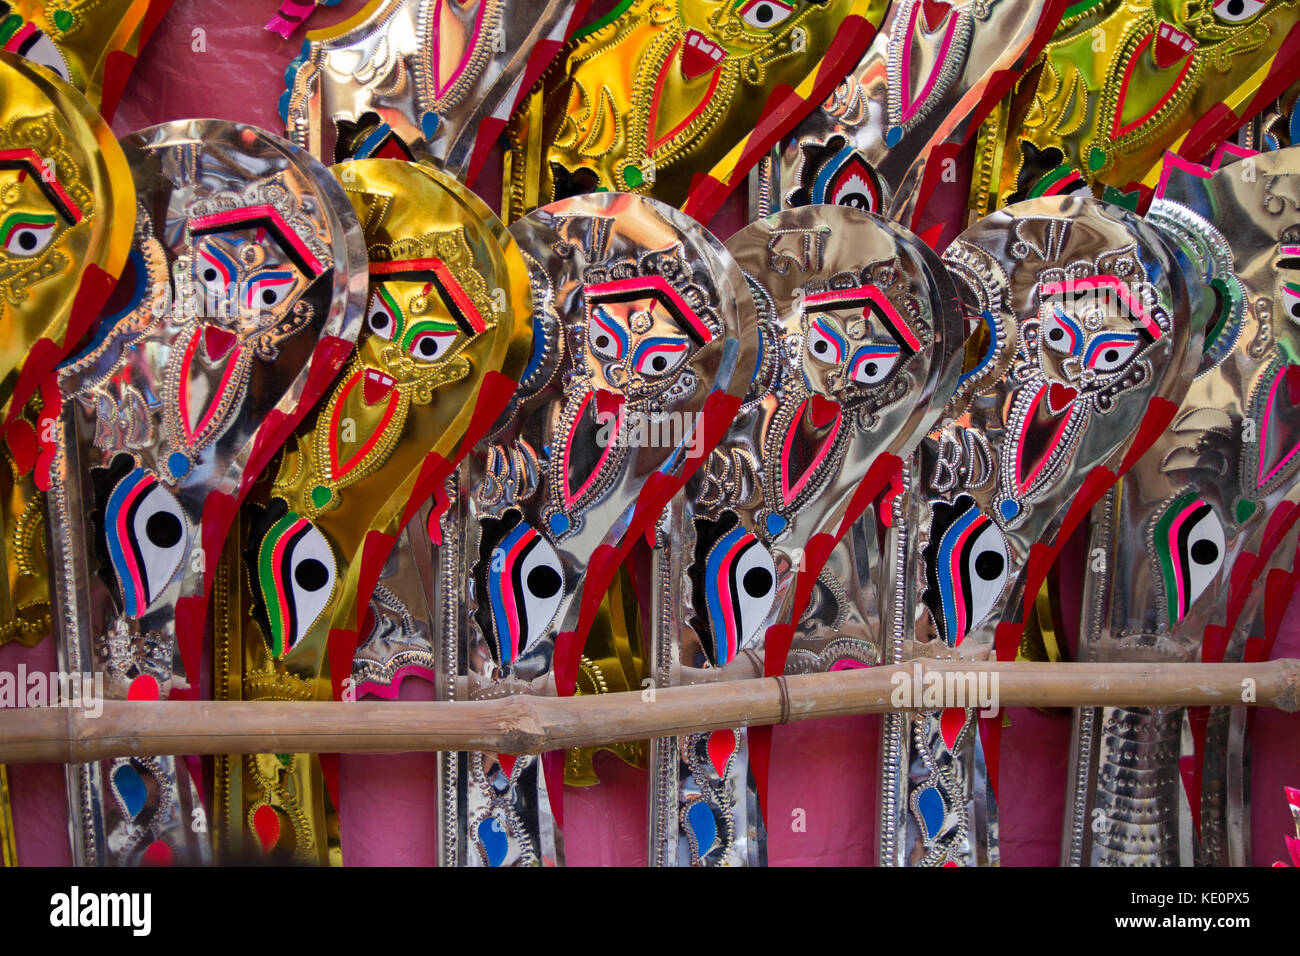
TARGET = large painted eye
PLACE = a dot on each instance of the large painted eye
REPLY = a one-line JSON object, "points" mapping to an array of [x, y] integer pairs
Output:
{"points": [[1190, 543], [269, 289], [147, 537], [430, 342], [740, 586], [825, 343], [1110, 351], [296, 573], [1235, 11], [525, 585], [765, 14], [215, 271], [31, 44], [1062, 334], [854, 184], [383, 317], [966, 566], [659, 355], [607, 336], [1291, 300], [28, 235], [872, 364]]}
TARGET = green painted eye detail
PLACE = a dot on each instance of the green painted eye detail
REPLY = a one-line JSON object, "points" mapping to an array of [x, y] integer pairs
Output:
{"points": [[25, 234], [430, 340], [1190, 544], [296, 574], [384, 318]]}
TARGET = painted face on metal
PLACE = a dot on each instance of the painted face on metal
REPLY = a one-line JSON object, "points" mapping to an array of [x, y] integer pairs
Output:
{"points": [[35, 213], [1091, 330], [854, 341], [640, 334], [423, 310], [732, 29]]}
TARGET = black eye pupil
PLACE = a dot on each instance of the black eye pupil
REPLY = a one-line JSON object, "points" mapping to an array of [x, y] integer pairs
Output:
{"points": [[1111, 355], [163, 529], [757, 582], [311, 575], [602, 342], [764, 13], [820, 348], [871, 369], [379, 321], [268, 297], [989, 565], [1205, 551], [428, 347], [543, 582], [27, 240], [1056, 335], [1235, 7], [659, 363]]}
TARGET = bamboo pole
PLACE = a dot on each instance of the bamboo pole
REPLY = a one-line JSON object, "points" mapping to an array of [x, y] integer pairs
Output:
{"points": [[520, 725]]}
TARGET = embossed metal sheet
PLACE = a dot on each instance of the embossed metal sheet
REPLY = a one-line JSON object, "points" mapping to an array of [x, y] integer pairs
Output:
{"points": [[862, 345], [1121, 81], [448, 334], [66, 206], [645, 341], [90, 44], [1192, 531], [1084, 331], [931, 75], [421, 77], [679, 101], [247, 281]]}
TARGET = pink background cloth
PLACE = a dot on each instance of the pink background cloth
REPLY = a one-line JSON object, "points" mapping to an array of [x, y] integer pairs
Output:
{"points": [[827, 769]]}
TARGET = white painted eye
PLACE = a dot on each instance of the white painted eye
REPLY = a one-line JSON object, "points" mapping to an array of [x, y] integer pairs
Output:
{"points": [[659, 355], [542, 581], [525, 585], [1206, 547], [1061, 334], [608, 338], [825, 344], [429, 345], [1235, 11], [382, 316], [147, 537], [986, 571], [269, 289], [311, 580], [872, 364], [765, 14], [755, 588], [28, 236], [40, 49], [1110, 352]]}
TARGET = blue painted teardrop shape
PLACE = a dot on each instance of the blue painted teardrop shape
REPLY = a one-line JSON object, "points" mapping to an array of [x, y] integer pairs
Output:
{"points": [[930, 804], [892, 137], [701, 819], [129, 786], [775, 524], [493, 837]]}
